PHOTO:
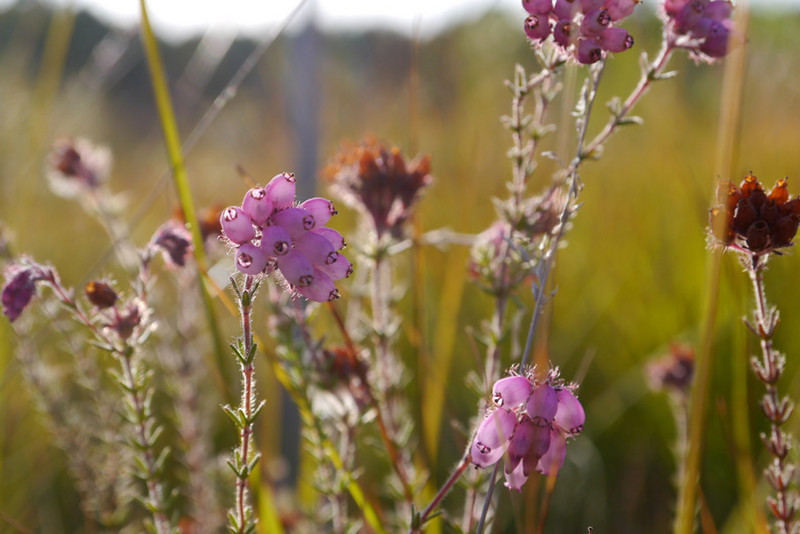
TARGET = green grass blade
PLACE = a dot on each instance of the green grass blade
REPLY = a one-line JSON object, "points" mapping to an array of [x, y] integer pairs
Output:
{"points": [[175, 155]]}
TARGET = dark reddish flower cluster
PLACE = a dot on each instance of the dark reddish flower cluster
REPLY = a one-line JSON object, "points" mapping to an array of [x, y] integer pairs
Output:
{"points": [[529, 425], [74, 167], [20, 286], [753, 221], [705, 23], [380, 182], [174, 242], [271, 233], [586, 29]]}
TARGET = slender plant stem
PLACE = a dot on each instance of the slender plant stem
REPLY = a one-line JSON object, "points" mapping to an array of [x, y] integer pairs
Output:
{"points": [[769, 369], [248, 394], [443, 491]]}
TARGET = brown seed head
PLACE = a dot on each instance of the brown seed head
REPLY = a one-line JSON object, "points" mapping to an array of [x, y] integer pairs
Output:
{"points": [[100, 294]]}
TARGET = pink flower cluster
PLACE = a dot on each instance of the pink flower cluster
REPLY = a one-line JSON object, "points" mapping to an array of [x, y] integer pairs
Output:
{"points": [[529, 425], [270, 232], [586, 29], [706, 23]]}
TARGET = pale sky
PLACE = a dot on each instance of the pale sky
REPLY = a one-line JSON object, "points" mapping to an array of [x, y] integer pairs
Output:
{"points": [[181, 18]]}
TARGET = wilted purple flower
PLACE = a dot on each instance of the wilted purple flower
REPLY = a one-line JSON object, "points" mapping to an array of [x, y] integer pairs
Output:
{"points": [[20, 287], [74, 167], [578, 26], [174, 242], [270, 233], [529, 425]]}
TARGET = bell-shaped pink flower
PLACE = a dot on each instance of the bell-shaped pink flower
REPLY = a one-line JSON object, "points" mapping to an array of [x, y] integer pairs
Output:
{"points": [[619, 9], [320, 208], [492, 438], [551, 462], [316, 248], [511, 391], [538, 7], [594, 22], [237, 225], [321, 289], [296, 268], [570, 415], [296, 221], [527, 446], [275, 241], [537, 27], [542, 405], [338, 269], [281, 190], [616, 39], [565, 9], [331, 235], [563, 32], [257, 205], [589, 51], [250, 259]]}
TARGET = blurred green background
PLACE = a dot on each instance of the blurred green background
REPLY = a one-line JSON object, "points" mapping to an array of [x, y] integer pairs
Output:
{"points": [[631, 280]]}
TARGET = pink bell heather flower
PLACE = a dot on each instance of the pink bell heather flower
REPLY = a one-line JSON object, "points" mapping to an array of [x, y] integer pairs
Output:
{"points": [[528, 425], [704, 27], [580, 27], [20, 287], [271, 234]]}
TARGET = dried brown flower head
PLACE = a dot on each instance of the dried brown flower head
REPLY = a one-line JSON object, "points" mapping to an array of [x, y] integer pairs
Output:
{"points": [[674, 371], [380, 182], [101, 294], [753, 221], [75, 167]]}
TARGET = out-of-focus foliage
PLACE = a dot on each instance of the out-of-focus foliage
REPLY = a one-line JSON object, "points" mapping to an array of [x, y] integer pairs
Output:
{"points": [[630, 281]]}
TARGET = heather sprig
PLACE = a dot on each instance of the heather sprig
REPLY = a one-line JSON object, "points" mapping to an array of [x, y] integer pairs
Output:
{"points": [[757, 225]]}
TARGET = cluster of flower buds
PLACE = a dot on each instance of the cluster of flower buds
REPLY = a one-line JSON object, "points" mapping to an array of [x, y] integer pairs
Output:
{"points": [[20, 286], [586, 29], [752, 221], [705, 23], [529, 425], [271, 233]]}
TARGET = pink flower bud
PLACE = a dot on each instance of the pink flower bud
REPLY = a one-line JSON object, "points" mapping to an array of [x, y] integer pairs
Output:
{"points": [[316, 248], [275, 241], [537, 441], [321, 208], [492, 438], [338, 269], [716, 43], [570, 415], [595, 22], [331, 235], [590, 5], [280, 190], [237, 225], [250, 259], [563, 31], [520, 443], [322, 289], [552, 461], [619, 9], [718, 10], [296, 221], [673, 7], [542, 405], [589, 51], [537, 27], [538, 7], [565, 9], [511, 391], [257, 205], [296, 268], [616, 39], [689, 15]]}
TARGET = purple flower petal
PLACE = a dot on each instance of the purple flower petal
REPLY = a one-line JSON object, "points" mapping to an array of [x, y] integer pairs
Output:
{"points": [[296, 268], [511, 391], [321, 208], [275, 241], [257, 205], [18, 291], [237, 225], [316, 248], [492, 437], [331, 235], [339, 268], [250, 259], [542, 405], [321, 289], [553, 459], [296, 221], [570, 415], [280, 190]]}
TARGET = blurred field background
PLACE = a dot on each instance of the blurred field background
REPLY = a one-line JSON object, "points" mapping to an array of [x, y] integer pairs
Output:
{"points": [[631, 280]]}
